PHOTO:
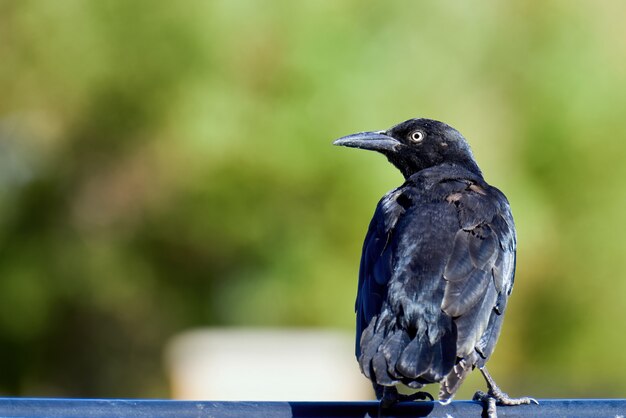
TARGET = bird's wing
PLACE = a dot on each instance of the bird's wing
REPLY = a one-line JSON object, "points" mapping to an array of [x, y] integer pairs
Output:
{"points": [[479, 276], [376, 261]]}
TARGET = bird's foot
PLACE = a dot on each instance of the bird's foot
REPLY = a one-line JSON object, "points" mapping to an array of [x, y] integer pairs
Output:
{"points": [[504, 399], [421, 396], [390, 397], [496, 397]]}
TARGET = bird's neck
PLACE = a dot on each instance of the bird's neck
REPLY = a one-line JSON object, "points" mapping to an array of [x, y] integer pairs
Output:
{"points": [[469, 164]]}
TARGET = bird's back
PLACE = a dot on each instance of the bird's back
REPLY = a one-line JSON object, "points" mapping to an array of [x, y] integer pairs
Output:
{"points": [[436, 270]]}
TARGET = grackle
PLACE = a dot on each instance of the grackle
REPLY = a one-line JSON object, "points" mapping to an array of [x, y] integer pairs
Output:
{"points": [[436, 270]]}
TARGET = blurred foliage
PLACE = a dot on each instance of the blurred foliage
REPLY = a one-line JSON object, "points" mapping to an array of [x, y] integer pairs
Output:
{"points": [[165, 165]]}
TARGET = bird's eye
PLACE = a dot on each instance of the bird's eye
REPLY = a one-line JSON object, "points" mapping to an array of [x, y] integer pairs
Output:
{"points": [[417, 136]]}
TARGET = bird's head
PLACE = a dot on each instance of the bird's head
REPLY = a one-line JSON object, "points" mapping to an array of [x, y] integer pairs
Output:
{"points": [[416, 144]]}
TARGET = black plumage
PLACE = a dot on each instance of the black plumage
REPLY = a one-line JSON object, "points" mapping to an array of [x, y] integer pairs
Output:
{"points": [[437, 266]]}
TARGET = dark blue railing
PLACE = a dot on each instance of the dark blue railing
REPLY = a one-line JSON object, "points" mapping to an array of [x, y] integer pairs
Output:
{"points": [[110, 408]]}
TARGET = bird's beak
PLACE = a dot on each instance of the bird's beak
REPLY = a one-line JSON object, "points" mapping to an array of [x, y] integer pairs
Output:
{"points": [[374, 141]]}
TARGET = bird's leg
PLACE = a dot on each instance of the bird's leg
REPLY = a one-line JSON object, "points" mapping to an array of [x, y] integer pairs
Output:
{"points": [[501, 397], [389, 397], [495, 396], [489, 402]]}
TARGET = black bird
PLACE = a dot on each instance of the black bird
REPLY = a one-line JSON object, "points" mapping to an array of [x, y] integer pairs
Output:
{"points": [[437, 267]]}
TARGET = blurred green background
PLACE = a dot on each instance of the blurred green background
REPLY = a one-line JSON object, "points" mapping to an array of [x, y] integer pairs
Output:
{"points": [[167, 165]]}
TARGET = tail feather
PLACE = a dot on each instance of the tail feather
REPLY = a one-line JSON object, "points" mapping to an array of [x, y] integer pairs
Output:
{"points": [[444, 356], [416, 358], [389, 355], [380, 368], [370, 341], [392, 349]]}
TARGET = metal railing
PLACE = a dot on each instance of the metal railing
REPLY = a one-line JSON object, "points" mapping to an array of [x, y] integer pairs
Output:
{"points": [[97, 408]]}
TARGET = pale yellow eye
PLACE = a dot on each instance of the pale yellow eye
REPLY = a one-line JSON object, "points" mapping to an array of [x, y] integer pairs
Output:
{"points": [[417, 136]]}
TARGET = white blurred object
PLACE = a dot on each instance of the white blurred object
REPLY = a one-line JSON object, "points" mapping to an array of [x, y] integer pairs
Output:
{"points": [[265, 364]]}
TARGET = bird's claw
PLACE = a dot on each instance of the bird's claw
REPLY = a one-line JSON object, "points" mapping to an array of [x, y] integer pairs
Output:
{"points": [[391, 397], [504, 399], [421, 396], [497, 397]]}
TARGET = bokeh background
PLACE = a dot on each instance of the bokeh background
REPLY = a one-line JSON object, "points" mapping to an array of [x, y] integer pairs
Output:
{"points": [[167, 165]]}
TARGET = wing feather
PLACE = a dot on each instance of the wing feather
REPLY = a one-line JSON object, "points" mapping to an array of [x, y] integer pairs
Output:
{"points": [[376, 262], [479, 272], [460, 296]]}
